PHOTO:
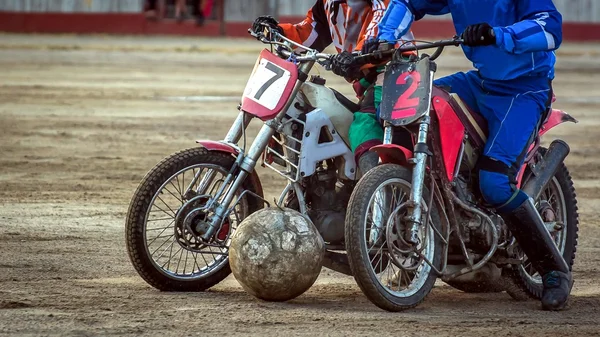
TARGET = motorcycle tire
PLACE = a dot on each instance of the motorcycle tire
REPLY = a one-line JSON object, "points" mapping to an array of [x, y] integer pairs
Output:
{"points": [[356, 247], [135, 225]]}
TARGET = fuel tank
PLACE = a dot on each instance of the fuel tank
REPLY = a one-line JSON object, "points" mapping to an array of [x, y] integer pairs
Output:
{"points": [[324, 98]]}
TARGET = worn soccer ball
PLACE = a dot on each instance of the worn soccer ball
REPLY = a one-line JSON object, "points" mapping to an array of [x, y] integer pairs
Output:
{"points": [[276, 254]]}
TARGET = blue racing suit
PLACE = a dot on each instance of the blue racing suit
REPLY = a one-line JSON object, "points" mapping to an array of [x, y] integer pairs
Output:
{"points": [[511, 86]]}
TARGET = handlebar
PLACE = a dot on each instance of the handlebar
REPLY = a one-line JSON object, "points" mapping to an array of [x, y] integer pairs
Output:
{"points": [[308, 57], [375, 57], [379, 56]]}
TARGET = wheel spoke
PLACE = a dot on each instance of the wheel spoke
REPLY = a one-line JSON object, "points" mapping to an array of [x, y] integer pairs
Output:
{"points": [[178, 262], [203, 258], [376, 253], [168, 255], [169, 207], [174, 196], [392, 273], [162, 210], [161, 254], [182, 184], [195, 262], [151, 242], [179, 186], [160, 219], [168, 226], [185, 262]]}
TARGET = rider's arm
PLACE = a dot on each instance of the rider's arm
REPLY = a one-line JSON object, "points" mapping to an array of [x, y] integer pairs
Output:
{"points": [[539, 28], [370, 28], [400, 15], [313, 31]]}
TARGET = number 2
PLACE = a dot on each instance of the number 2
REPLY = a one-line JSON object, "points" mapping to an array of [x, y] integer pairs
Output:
{"points": [[405, 105], [278, 74]]}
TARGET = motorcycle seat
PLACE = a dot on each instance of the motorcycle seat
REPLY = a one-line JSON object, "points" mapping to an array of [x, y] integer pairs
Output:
{"points": [[345, 101]]}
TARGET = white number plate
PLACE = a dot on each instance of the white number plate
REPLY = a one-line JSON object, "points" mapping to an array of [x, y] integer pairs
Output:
{"points": [[267, 83]]}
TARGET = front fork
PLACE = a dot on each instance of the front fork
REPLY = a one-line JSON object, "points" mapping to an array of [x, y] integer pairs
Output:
{"points": [[246, 161], [421, 152], [415, 207]]}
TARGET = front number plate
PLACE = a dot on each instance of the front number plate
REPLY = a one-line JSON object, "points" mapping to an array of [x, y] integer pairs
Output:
{"points": [[267, 84]]}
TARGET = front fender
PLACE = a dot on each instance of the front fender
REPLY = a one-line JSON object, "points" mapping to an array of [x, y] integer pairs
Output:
{"points": [[392, 154], [555, 118], [213, 145]]}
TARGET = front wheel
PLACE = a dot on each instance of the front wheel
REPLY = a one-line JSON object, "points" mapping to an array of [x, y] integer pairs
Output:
{"points": [[393, 274], [166, 211]]}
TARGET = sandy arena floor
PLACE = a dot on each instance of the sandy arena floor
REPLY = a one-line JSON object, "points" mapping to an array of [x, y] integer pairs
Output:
{"points": [[82, 119]]}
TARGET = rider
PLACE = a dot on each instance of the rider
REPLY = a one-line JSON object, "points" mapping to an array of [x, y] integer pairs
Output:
{"points": [[347, 24], [511, 44]]}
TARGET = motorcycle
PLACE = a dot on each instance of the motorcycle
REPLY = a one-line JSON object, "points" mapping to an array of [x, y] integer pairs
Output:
{"points": [[417, 216], [185, 210]]}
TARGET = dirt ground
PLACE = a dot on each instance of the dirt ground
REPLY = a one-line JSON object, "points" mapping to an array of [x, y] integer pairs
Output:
{"points": [[82, 119]]}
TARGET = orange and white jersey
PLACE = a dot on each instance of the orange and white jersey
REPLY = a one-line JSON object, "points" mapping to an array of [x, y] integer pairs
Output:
{"points": [[345, 23]]}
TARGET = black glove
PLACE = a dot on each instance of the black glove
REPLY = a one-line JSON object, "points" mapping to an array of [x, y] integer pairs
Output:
{"points": [[370, 46], [343, 65], [481, 34], [259, 24], [373, 45]]}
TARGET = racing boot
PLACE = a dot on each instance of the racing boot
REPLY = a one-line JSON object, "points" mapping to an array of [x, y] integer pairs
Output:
{"points": [[366, 162], [557, 286], [530, 231]]}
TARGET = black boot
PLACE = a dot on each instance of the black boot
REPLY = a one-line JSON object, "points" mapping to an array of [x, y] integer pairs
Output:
{"points": [[367, 161], [557, 286], [530, 231]]}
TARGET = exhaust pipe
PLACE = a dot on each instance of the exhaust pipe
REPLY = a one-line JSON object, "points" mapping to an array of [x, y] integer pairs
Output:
{"points": [[547, 168]]}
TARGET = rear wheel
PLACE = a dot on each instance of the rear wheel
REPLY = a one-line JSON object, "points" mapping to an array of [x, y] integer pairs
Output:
{"points": [[393, 274], [557, 205], [162, 224]]}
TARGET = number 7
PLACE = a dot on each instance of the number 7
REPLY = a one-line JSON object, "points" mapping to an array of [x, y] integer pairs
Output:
{"points": [[278, 74]]}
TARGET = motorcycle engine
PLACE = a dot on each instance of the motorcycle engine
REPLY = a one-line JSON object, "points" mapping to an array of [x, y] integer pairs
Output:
{"points": [[477, 234], [327, 204]]}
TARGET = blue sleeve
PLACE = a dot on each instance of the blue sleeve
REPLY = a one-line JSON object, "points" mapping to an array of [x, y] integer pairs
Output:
{"points": [[400, 15], [539, 28]]}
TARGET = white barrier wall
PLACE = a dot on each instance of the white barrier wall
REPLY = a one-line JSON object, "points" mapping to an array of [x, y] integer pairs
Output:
{"points": [[247, 10], [72, 6], [572, 10]]}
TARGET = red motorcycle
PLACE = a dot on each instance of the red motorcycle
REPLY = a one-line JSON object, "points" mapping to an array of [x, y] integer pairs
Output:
{"points": [[415, 217]]}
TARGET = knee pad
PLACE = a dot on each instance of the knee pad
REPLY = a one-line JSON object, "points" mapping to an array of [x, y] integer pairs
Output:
{"points": [[497, 185]]}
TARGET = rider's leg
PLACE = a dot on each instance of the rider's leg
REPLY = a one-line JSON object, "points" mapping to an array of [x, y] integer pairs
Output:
{"points": [[365, 130], [465, 85], [513, 110]]}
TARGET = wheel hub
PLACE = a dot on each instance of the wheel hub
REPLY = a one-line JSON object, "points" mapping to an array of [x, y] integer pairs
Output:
{"points": [[191, 222], [404, 255], [546, 211]]}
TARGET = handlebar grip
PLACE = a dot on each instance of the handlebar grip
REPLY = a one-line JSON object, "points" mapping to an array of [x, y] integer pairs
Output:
{"points": [[374, 57]]}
